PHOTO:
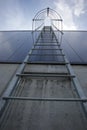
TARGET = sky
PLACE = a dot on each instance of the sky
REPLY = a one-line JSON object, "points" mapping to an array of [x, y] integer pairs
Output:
{"points": [[18, 14]]}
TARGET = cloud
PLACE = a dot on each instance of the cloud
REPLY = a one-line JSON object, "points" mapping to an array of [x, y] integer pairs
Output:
{"points": [[79, 7], [16, 20], [66, 12], [14, 17]]}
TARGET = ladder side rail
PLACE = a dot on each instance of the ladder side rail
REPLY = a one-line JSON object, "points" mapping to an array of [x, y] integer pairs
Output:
{"points": [[77, 86], [75, 82]]}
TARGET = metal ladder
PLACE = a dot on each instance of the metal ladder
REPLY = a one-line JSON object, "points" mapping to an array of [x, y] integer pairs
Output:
{"points": [[46, 50]]}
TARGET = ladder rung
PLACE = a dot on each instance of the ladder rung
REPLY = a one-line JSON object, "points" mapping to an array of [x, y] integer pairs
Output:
{"points": [[51, 38], [46, 54], [45, 75], [45, 42], [46, 49], [45, 99], [47, 62], [46, 45], [58, 73]]}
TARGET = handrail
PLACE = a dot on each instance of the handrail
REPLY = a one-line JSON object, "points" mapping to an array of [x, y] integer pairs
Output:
{"points": [[47, 12], [57, 28]]}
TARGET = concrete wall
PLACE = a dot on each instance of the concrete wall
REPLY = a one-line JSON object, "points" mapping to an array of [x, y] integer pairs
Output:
{"points": [[43, 115], [6, 73]]}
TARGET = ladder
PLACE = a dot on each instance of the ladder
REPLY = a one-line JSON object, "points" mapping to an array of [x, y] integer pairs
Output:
{"points": [[46, 51]]}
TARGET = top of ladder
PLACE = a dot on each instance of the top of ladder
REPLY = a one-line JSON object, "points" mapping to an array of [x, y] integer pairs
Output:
{"points": [[47, 17]]}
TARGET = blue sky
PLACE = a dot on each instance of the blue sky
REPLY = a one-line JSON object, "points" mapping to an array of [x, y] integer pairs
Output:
{"points": [[18, 14]]}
